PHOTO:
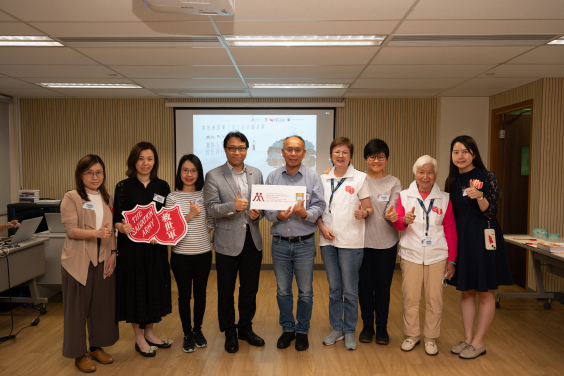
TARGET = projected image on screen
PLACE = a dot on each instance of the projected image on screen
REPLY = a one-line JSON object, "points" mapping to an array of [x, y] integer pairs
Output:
{"points": [[266, 134]]}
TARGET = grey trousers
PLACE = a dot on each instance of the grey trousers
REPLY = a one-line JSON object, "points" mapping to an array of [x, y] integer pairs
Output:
{"points": [[94, 305]]}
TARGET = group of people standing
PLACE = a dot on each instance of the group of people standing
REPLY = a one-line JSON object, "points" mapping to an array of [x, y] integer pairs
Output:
{"points": [[358, 215]]}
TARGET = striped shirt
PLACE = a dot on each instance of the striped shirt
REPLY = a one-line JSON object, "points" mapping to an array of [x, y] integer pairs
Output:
{"points": [[197, 239], [379, 233]]}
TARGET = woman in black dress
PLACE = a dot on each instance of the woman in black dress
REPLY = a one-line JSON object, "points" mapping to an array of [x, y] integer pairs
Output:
{"points": [[474, 193], [143, 273]]}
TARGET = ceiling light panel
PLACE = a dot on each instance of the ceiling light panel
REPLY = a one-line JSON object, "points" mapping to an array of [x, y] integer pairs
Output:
{"points": [[468, 40], [298, 86], [185, 41], [62, 85], [303, 40], [557, 41], [27, 41]]}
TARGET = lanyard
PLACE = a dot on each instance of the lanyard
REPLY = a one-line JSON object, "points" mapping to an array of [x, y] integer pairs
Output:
{"points": [[333, 190], [427, 211]]}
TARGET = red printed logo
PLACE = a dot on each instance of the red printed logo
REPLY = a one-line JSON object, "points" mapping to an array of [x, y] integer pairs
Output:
{"points": [[437, 210], [166, 227], [258, 197], [477, 184], [349, 189]]}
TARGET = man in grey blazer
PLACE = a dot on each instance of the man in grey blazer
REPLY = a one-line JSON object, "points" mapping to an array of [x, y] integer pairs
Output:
{"points": [[236, 239]]}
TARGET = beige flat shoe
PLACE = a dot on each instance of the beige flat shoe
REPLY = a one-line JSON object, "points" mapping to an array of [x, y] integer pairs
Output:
{"points": [[471, 352], [431, 348], [458, 348], [409, 344]]}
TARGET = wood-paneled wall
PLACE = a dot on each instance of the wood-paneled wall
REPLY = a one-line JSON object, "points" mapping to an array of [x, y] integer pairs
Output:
{"points": [[56, 133], [547, 154]]}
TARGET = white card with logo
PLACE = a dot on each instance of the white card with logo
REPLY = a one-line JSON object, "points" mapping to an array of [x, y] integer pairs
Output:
{"points": [[428, 241], [276, 197], [89, 205], [158, 198], [384, 198]]}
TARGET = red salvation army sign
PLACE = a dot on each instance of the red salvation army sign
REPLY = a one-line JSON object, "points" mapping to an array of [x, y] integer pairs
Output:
{"points": [[166, 227]]}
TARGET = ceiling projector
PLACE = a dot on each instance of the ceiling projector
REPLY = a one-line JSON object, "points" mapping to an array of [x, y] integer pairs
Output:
{"points": [[202, 7]]}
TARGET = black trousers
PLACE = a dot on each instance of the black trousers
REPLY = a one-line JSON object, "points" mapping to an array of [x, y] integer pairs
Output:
{"points": [[247, 264], [191, 272], [374, 283]]}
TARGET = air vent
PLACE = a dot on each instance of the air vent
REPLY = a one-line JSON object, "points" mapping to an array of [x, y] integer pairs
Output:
{"points": [[468, 40], [186, 41]]}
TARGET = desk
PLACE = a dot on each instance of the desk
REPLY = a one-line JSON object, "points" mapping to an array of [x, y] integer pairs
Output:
{"points": [[26, 263], [554, 261]]}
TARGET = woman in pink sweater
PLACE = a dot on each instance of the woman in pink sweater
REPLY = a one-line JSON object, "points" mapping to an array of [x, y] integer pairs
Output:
{"points": [[427, 251]]}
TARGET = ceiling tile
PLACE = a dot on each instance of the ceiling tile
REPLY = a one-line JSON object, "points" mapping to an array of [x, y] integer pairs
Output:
{"points": [[456, 92], [33, 93], [495, 83], [447, 55], [424, 71], [124, 29], [293, 71], [158, 56], [55, 71], [306, 27], [4, 17], [477, 27], [392, 94], [12, 83], [164, 71], [206, 95], [297, 93], [17, 28], [302, 55], [487, 9], [542, 55], [42, 55], [107, 93], [99, 10], [420, 83], [163, 84], [517, 70]]}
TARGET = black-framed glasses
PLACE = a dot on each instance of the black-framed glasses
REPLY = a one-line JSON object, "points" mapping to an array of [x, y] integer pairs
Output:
{"points": [[233, 149], [372, 158]]}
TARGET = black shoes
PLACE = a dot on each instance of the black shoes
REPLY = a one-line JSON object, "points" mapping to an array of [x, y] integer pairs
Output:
{"points": [[285, 340], [382, 337], [149, 354], [165, 345], [301, 342], [366, 334], [252, 338], [189, 343], [231, 344], [200, 339]]}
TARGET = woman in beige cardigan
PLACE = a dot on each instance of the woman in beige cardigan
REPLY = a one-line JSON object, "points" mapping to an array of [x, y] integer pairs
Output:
{"points": [[88, 261]]}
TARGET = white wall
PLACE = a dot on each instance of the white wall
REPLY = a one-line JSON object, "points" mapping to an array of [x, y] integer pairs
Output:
{"points": [[5, 189], [457, 116]]}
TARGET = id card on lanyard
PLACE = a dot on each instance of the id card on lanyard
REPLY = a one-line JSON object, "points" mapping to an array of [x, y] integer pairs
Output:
{"points": [[428, 240]]}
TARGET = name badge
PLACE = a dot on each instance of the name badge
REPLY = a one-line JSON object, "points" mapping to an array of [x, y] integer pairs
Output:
{"points": [[428, 241], [89, 205], [327, 218], [308, 196], [199, 202], [384, 198], [158, 198], [464, 192]]}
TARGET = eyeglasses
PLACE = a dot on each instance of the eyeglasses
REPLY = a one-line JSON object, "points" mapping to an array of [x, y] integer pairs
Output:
{"points": [[92, 175], [233, 149], [341, 153], [193, 172], [372, 158], [292, 150]]}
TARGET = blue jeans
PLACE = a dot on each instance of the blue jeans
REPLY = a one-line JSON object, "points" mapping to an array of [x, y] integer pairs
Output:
{"points": [[291, 259], [342, 266]]}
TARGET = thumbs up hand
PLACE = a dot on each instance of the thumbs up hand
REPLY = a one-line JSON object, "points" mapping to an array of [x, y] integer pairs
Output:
{"points": [[125, 227], [103, 232], [472, 192], [359, 213], [391, 215], [240, 204], [409, 217]]}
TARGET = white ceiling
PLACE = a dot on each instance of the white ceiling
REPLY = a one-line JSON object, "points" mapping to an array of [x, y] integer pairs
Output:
{"points": [[226, 71]]}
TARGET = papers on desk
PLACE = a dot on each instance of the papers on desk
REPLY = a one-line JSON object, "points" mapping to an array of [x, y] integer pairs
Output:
{"points": [[551, 247]]}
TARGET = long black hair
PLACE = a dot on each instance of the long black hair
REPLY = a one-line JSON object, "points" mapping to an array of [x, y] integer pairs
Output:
{"points": [[179, 184], [472, 147]]}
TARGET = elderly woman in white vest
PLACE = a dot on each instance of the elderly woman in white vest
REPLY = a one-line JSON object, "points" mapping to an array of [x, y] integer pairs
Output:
{"points": [[347, 196], [427, 251]]}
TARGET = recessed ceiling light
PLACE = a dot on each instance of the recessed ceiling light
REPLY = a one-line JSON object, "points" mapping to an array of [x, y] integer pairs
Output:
{"points": [[557, 41], [27, 41], [89, 86], [303, 40], [298, 86]]}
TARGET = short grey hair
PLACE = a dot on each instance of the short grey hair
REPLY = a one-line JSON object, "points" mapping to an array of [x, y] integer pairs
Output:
{"points": [[296, 136], [422, 161]]}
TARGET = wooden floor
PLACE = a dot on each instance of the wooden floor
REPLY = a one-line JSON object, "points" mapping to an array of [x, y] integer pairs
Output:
{"points": [[525, 339]]}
